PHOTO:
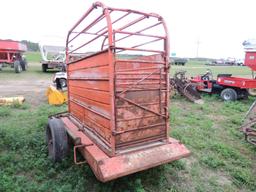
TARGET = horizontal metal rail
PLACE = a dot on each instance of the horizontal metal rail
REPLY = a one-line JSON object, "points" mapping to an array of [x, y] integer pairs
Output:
{"points": [[138, 105], [143, 83], [144, 29], [142, 79], [136, 49], [138, 128], [89, 33], [88, 27], [146, 43], [85, 78], [88, 108], [139, 34], [132, 23], [142, 68], [138, 73], [115, 21], [140, 61], [127, 106], [88, 42]]}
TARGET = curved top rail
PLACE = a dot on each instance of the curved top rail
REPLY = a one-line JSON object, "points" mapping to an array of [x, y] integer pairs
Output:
{"points": [[112, 31]]}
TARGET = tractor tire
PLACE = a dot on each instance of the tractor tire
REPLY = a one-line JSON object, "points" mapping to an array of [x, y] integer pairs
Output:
{"points": [[61, 83], [252, 92], [228, 94], [44, 68], [24, 65], [57, 140], [17, 66]]}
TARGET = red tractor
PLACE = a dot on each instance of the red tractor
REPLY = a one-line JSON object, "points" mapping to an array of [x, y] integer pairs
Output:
{"points": [[11, 54], [229, 88]]}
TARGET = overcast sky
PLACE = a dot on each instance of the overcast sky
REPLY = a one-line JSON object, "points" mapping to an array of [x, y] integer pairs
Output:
{"points": [[220, 26]]}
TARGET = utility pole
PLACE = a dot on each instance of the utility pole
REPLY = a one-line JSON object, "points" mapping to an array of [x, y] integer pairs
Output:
{"points": [[198, 42]]}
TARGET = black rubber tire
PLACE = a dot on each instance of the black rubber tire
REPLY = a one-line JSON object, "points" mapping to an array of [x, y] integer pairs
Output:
{"points": [[17, 66], [44, 68], [57, 140], [228, 94], [24, 64], [61, 83]]}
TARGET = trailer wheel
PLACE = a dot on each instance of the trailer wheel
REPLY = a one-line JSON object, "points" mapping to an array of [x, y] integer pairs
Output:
{"points": [[61, 83], [252, 92], [228, 94], [17, 66], [24, 65], [44, 68], [57, 140]]}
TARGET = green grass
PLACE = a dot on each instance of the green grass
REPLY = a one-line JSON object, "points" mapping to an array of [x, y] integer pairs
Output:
{"points": [[221, 160], [197, 67], [34, 70], [33, 57]]}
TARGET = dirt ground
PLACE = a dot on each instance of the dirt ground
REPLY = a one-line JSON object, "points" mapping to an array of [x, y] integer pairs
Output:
{"points": [[32, 89]]}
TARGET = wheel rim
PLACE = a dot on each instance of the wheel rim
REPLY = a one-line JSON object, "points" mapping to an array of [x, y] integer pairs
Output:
{"points": [[227, 97], [63, 83]]}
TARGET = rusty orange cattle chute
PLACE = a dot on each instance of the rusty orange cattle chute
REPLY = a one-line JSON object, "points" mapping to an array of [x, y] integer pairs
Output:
{"points": [[118, 94]]}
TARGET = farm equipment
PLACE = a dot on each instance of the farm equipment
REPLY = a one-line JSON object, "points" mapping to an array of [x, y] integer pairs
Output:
{"points": [[118, 114], [230, 88], [56, 97], [11, 100], [60, 79], [249, 125], [185, 87], [53, 57], [11, 54]]}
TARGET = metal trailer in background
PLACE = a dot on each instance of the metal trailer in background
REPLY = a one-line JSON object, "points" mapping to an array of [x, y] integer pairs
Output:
{"points": [[118, 108], [11, 54], [53, 57]]}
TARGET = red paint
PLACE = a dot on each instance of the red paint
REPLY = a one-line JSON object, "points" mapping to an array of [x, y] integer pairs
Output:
{"points": [[250, 59], [119, 107], [9, 48]]}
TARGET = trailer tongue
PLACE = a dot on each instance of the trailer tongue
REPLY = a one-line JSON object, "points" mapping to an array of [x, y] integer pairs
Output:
{"points": [[118, 95]]}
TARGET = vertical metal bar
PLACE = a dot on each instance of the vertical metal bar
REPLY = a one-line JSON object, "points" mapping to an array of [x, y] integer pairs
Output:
{"points": [[166, 58], [8, 57], [160, 91], [111, 82]]}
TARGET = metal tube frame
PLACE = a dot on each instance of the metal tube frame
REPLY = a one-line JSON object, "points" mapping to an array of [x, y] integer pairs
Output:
{"points": [[109, 34]]}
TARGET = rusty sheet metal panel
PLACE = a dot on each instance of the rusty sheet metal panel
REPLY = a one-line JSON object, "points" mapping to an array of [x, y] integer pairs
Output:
{"points": [[141, 108], [139, 111], [89, 95]]}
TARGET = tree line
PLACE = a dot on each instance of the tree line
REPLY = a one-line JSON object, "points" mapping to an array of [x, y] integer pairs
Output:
{"points": [[31, 45]]}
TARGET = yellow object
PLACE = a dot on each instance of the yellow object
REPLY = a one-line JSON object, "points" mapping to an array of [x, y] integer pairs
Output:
{"points": [[55, 97], [252, 92], [12, 100]]}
